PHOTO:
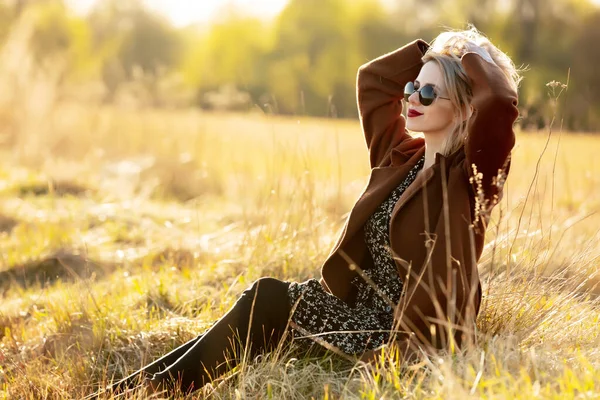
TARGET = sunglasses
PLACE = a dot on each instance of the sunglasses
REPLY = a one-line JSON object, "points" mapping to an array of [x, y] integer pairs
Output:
{"points": [[427, 93]]}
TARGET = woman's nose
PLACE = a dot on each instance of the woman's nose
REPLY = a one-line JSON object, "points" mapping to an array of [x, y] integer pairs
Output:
{"points": [[414, 98]]}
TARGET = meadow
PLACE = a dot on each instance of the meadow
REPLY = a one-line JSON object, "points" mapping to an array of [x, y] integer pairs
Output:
{"points": [[125, 232]]}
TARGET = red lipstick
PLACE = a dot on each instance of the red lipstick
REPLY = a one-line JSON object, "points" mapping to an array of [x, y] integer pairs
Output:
{"points": [[413, 113]]}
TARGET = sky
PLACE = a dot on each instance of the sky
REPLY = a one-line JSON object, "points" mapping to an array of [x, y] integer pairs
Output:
{"points": [[185, 12]]}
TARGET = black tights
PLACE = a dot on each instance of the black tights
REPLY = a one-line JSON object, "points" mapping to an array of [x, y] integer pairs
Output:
{"points": [[211, 354]]}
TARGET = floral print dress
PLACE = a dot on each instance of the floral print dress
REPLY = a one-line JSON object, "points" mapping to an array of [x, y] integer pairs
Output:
{"points": [[367, 324]]}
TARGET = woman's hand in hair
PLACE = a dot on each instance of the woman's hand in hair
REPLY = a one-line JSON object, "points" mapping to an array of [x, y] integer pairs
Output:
{"points": [[471, 47]]}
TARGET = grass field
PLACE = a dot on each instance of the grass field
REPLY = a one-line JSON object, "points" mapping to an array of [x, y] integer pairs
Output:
{"points": [[124, 233]]}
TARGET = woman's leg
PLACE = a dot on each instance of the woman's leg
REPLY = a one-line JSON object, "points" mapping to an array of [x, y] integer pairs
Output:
{"points": [[257, 321]]}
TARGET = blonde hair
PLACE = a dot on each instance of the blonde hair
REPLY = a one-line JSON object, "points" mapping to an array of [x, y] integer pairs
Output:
{"points": [[446, 50]]}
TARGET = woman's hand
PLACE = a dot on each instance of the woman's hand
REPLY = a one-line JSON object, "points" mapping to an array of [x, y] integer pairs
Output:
{"points": [[471, 47]]}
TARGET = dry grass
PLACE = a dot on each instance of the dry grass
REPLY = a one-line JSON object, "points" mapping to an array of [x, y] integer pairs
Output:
{"points": [[165, 217]]}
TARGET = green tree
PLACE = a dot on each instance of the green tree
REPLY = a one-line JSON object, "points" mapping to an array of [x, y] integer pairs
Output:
{"points": [[133, 40], [313, 65], [234, 51], [584, 99]]}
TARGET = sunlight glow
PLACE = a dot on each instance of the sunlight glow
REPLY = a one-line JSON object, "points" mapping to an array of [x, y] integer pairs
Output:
{"points": [[185, 12]]}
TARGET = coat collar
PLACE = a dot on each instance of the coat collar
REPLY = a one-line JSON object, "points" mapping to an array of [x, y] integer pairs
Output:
{"points": [[409, 150]]}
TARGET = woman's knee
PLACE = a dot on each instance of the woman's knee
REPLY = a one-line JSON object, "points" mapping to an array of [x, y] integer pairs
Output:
{"points": [[269, 297], [268, 287]]}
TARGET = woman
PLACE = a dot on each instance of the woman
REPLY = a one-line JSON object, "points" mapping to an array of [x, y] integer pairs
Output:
{"points": [[404, 269]]}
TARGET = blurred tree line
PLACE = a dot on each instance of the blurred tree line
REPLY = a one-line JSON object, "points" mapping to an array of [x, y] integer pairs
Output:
{"points": [[304, 61]]}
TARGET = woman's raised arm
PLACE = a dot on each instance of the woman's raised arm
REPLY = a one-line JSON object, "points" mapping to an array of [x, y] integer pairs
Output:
{"points": [[380, 89], [490, 137]]}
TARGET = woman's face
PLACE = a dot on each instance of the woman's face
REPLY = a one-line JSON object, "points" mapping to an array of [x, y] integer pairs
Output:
{"points": [[437, 118]]}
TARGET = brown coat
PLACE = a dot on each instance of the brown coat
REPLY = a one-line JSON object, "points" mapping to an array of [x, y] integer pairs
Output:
{"points": [[436, 247]]}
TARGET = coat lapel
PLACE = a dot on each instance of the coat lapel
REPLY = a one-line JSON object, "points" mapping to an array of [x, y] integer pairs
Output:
{"points": [[383, 180], [422, 181], [408, 151], [412, 190]]}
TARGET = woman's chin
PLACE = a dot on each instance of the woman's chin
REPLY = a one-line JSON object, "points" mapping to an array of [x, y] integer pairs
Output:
{"points": [[412, 127]]}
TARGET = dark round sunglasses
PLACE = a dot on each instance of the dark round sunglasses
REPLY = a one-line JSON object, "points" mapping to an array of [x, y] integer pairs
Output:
{"points": [[427, 93]]}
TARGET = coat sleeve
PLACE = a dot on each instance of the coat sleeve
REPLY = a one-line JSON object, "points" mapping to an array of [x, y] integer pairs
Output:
{"points": [[380, 89], [490, 135]]}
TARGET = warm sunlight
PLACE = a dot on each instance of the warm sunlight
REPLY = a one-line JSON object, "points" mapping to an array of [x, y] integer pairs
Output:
{"points": [[184, 12], [299, 199]]}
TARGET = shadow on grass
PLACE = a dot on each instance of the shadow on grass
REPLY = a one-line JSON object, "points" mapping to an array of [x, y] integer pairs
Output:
{"points": [[57, 188], [7, 224], [70, 265], [63, 265]]}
